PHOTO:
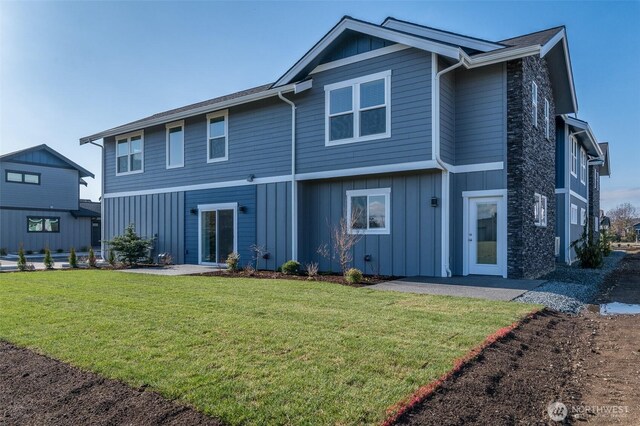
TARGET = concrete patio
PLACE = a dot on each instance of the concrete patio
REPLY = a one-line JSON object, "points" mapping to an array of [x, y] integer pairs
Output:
{"points": [[173, 270], [483, 287]]}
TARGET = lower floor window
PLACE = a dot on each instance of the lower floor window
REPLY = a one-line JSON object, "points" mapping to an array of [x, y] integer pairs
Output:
{"points": [[368, 211], [540, 210], [43, 224], [574, 214], [583, 217]]}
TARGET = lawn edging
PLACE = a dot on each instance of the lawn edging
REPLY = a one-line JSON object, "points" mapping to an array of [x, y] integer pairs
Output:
{"points": [[396, 411]]}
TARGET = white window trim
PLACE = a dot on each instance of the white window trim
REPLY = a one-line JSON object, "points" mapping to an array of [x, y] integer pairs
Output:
{"points": [[583, 166], [583, 216], [534, 103], [355, 84], [574, 157], [547, 123], [170, 126], [574, 214], [540, 210], [223, 113], [386, 192], [536, 208], [214, 207], [128, 137]]}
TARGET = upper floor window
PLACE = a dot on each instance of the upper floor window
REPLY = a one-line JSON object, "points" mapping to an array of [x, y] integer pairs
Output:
{"points": [[534, 103], [547, 122], [369, 211], [129, 153], [22, 177], [43, 224], [583, 166], [175, 144], [540, 210], [574, 156], [217, 136], [359, 109]]}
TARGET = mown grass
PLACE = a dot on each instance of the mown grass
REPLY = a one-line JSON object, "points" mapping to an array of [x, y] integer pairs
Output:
{"points": [[249, 351]]}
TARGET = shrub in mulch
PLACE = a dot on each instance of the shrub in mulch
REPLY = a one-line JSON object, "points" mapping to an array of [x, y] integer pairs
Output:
{"points": [[322, 277]]}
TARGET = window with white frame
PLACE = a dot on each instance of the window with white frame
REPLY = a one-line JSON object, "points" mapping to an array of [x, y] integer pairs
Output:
{"points": [[534, 103], [217, 136], [175, 144], [574, 156], [22, 177], [369, 211], [574, 214], [130, 153], [547, 122], [540, 210], [359, 109], [583, 166], [583, 216]]}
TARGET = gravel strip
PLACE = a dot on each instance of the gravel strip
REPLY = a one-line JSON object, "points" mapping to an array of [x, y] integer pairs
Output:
{"points": [[569, 288]]}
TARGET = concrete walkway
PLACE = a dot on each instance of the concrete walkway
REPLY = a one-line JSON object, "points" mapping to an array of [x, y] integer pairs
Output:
{"points": [[173, 270], [483, 287]]}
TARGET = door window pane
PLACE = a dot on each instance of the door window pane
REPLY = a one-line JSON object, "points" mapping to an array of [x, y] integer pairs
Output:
{"points": [[372, 93], [225, 234], [487, 234], [208, 236], [359, 212], [341, 100]]}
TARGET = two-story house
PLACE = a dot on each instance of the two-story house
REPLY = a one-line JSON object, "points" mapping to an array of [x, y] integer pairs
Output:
{"points": [[440, 148], [40, 202]]}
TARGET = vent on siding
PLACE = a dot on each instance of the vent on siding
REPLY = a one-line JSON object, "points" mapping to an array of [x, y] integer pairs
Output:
{"points": [[557, 246]]}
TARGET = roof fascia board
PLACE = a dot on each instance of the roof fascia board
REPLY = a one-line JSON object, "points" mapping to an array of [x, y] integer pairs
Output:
{"points": [[445, 36], [185, 114], [359, 57], [584, 126], [562, 37], [370, 29], [471, 62]]}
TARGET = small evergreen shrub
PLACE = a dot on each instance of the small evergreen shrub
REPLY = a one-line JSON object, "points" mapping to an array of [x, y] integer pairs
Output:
{"points": [[22, 261], [73, 259], [588, 251], [130, 248], [92, 258], [312, 270], [353, 276], [605, 243], [111, 258], [48, 260], [290, 267], [233, 262]]}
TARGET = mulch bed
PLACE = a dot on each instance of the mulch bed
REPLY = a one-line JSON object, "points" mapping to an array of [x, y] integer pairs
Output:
{"points": [[273, 275], [37, 390]]}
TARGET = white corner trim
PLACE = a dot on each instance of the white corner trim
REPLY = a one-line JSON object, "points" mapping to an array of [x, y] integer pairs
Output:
{"points": [[387, 168], [359, 57], [435, 98], [479, 167], [213, 185]]}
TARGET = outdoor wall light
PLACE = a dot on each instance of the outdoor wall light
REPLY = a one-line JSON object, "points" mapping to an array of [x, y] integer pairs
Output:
{"points": [[250, 178], [242, 209], [194, 211], [367, 258], [266, 256], [434, 201]]}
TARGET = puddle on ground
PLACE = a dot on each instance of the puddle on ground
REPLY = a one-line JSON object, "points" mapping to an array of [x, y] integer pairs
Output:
{"points": [[617, 308]]}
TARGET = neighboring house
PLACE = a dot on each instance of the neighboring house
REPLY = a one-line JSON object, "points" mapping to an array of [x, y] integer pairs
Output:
{"points": [[40, 202], [442, 146], [580, 161], [636, 228]]}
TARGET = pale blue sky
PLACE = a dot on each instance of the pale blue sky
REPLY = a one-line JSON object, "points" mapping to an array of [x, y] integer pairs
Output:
{"points": [[69, 69]]}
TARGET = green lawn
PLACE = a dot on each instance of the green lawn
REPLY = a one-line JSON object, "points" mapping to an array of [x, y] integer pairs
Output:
{"points": [[247, 350]]}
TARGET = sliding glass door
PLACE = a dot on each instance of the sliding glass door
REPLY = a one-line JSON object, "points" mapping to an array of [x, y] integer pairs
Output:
{"points": [[217, 232]]}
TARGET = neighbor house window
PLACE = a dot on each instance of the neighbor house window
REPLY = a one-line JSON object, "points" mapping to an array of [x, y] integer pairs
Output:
{"points": [[540, 210], [43, 224], [358, 109], [534, 103], [574, 156], [175, 144], [217, 136], [574, 214], [22, 177], [547, 122], [583, 166], [129, 153], [368, 211]]}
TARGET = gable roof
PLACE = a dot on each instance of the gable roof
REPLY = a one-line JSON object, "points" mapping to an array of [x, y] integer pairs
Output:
{"points": [[583, 133], [539, 37], [22, 156]]}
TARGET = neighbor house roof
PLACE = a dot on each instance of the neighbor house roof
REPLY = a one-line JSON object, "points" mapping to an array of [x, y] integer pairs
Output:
{"points": [[473, 52], [22, 156]]}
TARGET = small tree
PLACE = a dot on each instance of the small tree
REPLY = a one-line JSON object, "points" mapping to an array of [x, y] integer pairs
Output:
{"points": [[111, 259], [48, 260], [233, 262], [22, 261], [131, 248], [588, 251], [73, 259], [92, 258], [343, 239]]}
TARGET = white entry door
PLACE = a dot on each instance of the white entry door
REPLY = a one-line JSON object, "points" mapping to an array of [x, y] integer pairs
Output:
{"points": [[217, 233], [485, 236]]}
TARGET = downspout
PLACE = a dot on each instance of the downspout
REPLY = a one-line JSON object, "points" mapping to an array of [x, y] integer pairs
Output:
{"points": [[435, 106], [294, 184], [101, 198]]}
